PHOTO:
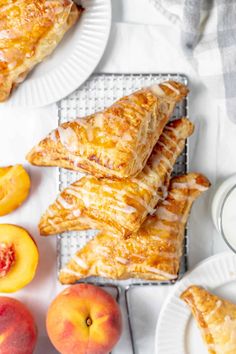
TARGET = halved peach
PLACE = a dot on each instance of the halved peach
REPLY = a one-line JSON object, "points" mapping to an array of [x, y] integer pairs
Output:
{"points": [[14, 188], [18, 258]]}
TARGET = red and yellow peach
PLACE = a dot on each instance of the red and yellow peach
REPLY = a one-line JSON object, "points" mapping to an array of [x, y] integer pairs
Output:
{"points": [[84, 319], [18, 333]]}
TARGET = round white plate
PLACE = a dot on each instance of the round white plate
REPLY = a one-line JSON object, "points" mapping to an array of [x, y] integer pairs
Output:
{"points": [[176, 331], [71, 63]]}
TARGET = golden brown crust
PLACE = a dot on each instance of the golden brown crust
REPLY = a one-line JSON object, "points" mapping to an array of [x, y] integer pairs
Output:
{"points": [[29, 31], [215, 317], [115, 143], [152, 253], [119, 206]]}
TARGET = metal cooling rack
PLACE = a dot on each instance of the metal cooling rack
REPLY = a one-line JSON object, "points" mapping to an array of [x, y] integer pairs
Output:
{"points": [[100, 91]]}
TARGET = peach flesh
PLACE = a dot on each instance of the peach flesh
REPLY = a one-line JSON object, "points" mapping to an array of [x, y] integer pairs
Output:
{"points": [[18, 258], [7, 258]]}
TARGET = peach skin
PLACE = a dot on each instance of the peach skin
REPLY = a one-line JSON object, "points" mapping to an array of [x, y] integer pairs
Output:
{"points": [[18, 332], [84, 319]]}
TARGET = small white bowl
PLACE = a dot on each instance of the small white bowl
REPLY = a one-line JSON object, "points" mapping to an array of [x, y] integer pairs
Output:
{"points": [[224, 211]]}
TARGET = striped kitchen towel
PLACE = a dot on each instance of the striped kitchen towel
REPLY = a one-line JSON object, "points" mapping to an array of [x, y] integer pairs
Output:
{"points": [[208, 36]]}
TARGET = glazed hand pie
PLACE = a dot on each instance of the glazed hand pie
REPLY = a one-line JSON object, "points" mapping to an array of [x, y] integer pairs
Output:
{"points": [[29, 31], [215, 317], [118, 205], [152, 253], [115, 142]]}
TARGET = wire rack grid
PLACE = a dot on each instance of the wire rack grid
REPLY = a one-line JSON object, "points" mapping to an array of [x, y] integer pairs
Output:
{"points": [[100, 91]]}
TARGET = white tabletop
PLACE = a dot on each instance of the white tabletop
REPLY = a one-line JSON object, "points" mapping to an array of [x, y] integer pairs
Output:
{"points": [[142, 40]]}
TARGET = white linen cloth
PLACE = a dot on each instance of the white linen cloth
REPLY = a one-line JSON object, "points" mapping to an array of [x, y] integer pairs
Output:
{"points": [[141, 41], [208, 40]]}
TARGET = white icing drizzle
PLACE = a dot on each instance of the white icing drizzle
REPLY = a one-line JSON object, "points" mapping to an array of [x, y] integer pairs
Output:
{"points": [[57, 205], [90, 134], [180, 196], [52, 136], [167, 137], [189, 185], [108, 189], [122, 260], [167, 215], [51, 212], [157, 90], [102, 250], [126, 210], [80, 262], [162, 226], [68, 138], [144, 185], [109, 270], [102, 266], [156, 237], [215, 309], [172, 129], [166, 202], [52, 223], [87, 198], [71, 272], [72, 191], [64, 203], [75, 159], [164, 191], [149, 173], [142, 202], [127, 137], [160, 272], [167, 84], [38, 148], [130, 104], [82, 122], [165, 147], [76, 213], [99, 120], [130, 209], [171, 241], [164, 161], [138, 256]]}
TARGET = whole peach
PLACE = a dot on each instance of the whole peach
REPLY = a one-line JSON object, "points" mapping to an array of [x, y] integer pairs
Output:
{"points": [[18, 333], [84, 319]]}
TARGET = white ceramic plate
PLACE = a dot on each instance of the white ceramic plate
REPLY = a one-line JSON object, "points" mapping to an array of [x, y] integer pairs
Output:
{"points": [[176, 331], [72, 62]]}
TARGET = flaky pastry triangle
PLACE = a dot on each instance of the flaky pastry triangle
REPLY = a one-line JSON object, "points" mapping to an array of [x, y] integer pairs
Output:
{"points": [[153, 252], [30, 31], [115, 142], [215, 317], [119, 206]]}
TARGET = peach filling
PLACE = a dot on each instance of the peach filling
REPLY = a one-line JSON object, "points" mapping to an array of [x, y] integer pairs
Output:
{"points": [[7, 258]]}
